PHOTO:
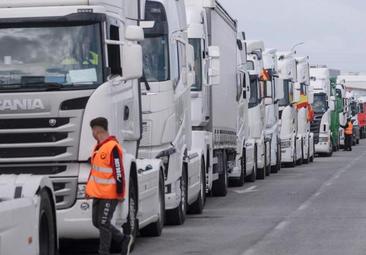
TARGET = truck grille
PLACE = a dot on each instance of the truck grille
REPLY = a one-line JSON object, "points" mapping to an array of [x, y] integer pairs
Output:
{"points": [[39, 139], [32, 138], [33, 123], [315, 127], [31, 152], [35, 170]]}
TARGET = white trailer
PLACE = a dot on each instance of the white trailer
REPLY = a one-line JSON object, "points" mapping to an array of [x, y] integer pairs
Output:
{"points": [[27, 216], [216, 92], [303, 110], [257, 109], [63, 64], [273, 93], [166, 106], [290, 141]]}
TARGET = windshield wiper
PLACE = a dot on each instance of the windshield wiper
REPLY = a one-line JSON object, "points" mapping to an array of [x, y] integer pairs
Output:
{"points": [[47, 86]]}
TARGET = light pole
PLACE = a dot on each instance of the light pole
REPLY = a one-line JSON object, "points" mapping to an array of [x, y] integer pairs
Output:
{"points": [[296, 45]]}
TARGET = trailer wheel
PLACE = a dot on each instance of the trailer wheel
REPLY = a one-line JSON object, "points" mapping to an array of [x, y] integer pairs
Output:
{"points": [[239, 182], [198, 206], [178, 215], [219, 187], [156, 228], [47, 227], [261, 172], [253, 176]]}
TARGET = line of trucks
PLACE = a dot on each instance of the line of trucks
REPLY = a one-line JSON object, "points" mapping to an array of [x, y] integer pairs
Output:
{"points": [[196, 106]]}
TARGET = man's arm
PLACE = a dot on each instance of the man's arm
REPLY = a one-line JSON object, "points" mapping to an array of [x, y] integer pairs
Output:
{"points": [[118, 170], [345, 126]]}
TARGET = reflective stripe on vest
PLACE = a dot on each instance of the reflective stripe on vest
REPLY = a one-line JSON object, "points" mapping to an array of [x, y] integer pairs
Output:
{"points": [[107, 170], [102, 181]]}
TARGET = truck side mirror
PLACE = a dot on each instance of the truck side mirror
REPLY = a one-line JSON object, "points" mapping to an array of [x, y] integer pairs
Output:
{"points": [[132, 64], [214, 65], [280, 93], [209, 3], [134, 33], [297, 92]]}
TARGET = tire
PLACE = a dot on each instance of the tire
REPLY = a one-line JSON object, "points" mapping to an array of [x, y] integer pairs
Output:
{"points": [[268, 162], [239, 182], [293, 163], [358, 141], [300, 161], [178, 215], [306, 161], [47, 225], [156, 228], [253, 176], [198, 206], [219, 187]]}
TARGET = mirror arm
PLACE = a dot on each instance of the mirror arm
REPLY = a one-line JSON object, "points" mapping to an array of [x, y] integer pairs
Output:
{"points": [[144, 80]]}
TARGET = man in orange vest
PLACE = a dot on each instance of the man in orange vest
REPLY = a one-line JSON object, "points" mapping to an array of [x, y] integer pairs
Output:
{"points": [[348, 133], [106, 186]]}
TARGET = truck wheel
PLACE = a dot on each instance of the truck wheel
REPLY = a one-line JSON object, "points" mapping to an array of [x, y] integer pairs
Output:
{"points": [[261, 172], [156, 228], [277, 168], [253, 176], [219, 187], [268, 160], [239, 182], [198, 206], [47, 226], [358, 141], [178, 215]]}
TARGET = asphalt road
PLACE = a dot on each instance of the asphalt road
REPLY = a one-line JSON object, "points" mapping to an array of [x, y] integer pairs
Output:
{"points": [[317, 209]]}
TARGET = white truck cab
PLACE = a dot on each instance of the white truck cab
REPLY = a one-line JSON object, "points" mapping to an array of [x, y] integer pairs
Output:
{"points": [[63, 64], [290, 141], [273, 90], [304, 110], [257, 109], [166, 106], [323, 106]]}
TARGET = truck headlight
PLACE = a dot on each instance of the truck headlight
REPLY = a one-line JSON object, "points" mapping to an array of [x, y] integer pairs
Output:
{"points": [[286, 144], [81, 191]]}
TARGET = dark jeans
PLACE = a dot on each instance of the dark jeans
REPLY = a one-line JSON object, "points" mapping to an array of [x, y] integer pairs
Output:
{"points": [[103, 211], [348, 142]]}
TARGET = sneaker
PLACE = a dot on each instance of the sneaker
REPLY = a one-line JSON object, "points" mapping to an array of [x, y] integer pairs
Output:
{"points": [[126, 245]]}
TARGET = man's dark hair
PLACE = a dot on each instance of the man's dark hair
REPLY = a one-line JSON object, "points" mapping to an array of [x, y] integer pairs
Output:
{"points": [[99, 122]]}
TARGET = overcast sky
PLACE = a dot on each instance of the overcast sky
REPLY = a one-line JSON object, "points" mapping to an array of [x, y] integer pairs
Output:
{"points": [[334, 31]]}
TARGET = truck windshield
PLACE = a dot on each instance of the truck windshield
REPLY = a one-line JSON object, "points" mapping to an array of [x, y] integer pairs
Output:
{"points": [[156, 58], [69, 57], [287, 90], [320, 103], [254, 99], [196, 43]]}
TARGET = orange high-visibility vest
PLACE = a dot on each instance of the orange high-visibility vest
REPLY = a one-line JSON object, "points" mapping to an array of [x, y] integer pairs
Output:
{"points": [[349, 129], [105, 172]]}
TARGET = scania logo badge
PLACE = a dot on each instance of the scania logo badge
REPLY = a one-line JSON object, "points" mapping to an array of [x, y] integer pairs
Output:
{"points": [[52, 122]]}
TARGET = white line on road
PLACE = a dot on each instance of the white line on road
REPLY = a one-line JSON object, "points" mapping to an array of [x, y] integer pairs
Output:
{"points": [[286, 221], [247, 190]]}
